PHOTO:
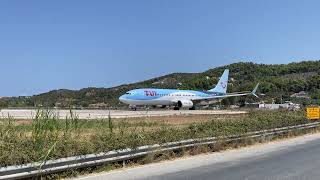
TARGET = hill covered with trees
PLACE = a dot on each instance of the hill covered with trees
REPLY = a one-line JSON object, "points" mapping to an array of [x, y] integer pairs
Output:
{"points": [[277, 83]]}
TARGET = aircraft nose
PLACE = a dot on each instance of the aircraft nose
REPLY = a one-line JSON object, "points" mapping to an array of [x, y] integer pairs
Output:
{"points": [[122, 98]]}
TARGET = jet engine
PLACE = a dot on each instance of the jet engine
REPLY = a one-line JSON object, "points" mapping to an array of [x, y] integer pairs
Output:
{"points": [[185, 103]]}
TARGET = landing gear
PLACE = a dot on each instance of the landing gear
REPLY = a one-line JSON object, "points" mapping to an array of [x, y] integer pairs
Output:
{"points": [[192, 108], [134, 108], [176, 108]]}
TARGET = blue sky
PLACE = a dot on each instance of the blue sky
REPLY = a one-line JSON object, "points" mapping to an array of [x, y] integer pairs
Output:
{"points": [[74, 44]]}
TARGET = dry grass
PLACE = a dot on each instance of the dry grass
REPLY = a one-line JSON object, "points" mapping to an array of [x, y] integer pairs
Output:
{"points": [[177, 120], [179, 154], [47, 137]]}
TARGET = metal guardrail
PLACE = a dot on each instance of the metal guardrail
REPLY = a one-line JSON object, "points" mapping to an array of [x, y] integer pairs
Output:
{"points": [[64, 164]]}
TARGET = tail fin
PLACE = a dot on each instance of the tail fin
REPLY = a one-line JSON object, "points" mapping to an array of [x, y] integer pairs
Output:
{"points": [[222, 85]]}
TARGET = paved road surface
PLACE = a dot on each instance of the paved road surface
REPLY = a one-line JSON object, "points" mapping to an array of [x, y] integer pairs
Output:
{"points": [[294, 159], [98, 114]]}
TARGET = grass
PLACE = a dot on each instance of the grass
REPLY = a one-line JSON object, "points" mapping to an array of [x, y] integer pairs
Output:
{"points": [[48, 137]]}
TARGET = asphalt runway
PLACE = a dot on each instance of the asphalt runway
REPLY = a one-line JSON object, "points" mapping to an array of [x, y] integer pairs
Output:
{"points": [[293, 159], [99, 114]]}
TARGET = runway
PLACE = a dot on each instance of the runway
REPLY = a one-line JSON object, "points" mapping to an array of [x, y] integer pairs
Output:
{"points": [[294, 159], [100, 114]]}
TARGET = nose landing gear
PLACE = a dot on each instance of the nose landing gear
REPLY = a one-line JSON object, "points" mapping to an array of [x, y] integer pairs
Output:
{"points": [[134, 108]]}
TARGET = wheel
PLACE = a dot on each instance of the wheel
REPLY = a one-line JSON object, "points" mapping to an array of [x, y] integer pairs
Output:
{"points": [[176, 108], [192, 108], [134, 108]]}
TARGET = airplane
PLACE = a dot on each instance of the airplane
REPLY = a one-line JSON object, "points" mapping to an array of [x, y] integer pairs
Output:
{"points": [[181, 98]]}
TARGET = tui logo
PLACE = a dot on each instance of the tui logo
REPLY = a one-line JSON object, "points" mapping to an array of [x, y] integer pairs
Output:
{"points": [[223, 84], [150, 93]]}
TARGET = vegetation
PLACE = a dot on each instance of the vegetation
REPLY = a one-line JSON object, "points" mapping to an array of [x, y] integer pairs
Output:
{"points": [[47, 137], [278, 82]]}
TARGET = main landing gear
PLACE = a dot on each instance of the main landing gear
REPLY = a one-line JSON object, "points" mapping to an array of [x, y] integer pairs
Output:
{"points": [[192, 108], [178, 108], [134, 108]]}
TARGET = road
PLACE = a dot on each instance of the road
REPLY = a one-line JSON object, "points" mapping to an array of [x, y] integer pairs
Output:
{"points": [[293, 159], [98, 114]]}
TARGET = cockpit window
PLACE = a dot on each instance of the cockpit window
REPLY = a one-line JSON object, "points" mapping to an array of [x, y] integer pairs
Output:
{"points": [[127, 93]]}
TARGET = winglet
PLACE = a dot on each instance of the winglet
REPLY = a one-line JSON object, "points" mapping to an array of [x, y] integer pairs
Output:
{"points": [[255, 90]]}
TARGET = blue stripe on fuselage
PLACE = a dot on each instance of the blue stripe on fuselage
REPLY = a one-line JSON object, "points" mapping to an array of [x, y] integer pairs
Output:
{"points": [[152, 94]]}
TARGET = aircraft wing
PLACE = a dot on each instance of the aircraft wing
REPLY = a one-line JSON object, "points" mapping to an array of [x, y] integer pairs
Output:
{"points": [[232, 94]]}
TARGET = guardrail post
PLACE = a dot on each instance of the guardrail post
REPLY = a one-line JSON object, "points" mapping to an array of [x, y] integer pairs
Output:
{"points": [[53, 166]]}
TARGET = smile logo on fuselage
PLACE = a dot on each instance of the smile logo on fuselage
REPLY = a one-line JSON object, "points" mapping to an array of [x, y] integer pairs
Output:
{"points": [[224, 85]]}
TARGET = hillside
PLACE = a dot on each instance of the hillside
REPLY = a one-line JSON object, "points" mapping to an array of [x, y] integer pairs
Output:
{"points": [[277, 82]]}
